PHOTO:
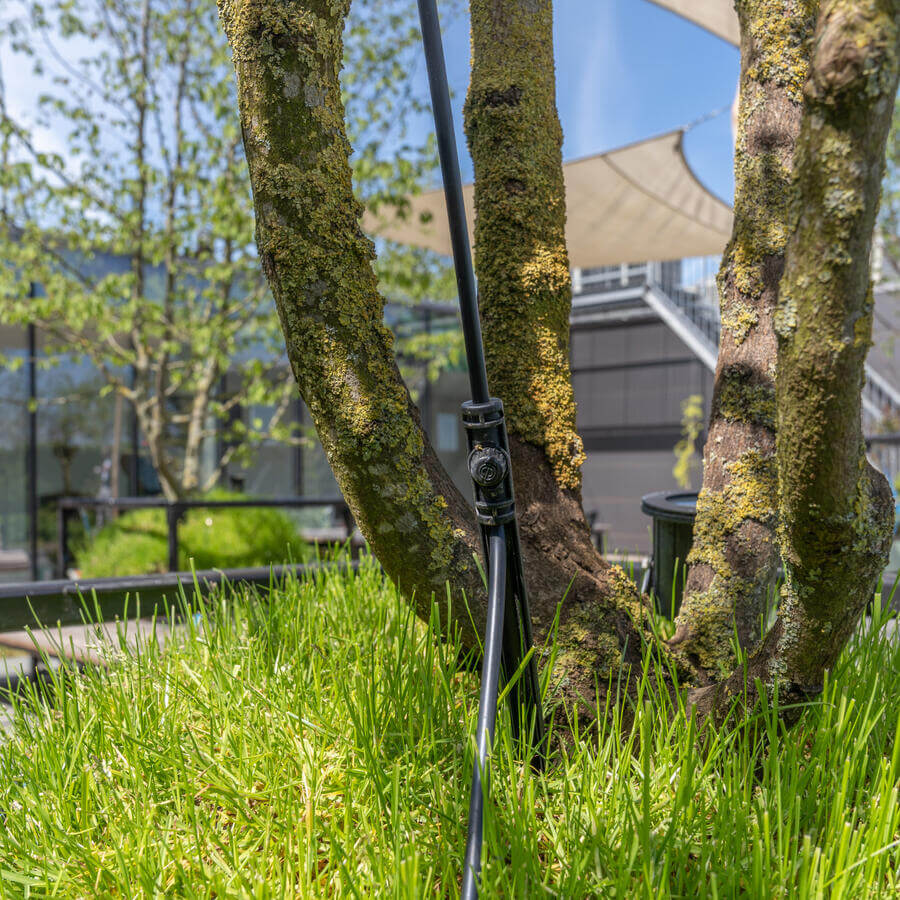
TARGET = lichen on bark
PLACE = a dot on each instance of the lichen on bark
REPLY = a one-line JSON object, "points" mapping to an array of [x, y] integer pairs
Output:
{"points": [[731, 596], [525, 296], [835, 510], [287, 58], [520, 251], [319, 265]]}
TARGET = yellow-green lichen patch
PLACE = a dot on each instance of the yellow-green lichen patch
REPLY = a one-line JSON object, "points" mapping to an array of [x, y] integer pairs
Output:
{"points": [[624, 594], [781, 32], [520, 252], [748, 495], [711, 614], [739, 399], [587, 654], [738, 319]]}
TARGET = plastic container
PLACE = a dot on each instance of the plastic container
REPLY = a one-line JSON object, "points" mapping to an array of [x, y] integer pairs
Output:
{"points": [[673, 514]]}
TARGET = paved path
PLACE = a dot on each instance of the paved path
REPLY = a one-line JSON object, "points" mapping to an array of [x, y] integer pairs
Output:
{"points": [[82, 644], [89, 644]]}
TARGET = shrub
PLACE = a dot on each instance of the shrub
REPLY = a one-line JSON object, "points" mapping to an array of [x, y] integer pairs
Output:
{"points": [[136, 542]]}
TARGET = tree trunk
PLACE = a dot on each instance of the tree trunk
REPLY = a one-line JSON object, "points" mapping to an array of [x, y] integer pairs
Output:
{"points": [[287, 57], [318, 263], [835, 510], [735, 553], [525, 298]]}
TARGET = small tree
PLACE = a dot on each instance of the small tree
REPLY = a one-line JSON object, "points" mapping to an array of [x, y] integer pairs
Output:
{"points": [[816, 94], [140, 231]]}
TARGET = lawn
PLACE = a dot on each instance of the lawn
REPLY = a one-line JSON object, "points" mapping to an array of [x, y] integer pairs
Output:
{"points": [[137, 541], [315, 741]]}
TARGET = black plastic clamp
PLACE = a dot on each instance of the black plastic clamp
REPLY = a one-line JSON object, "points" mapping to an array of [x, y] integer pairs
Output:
{"points": [[489, 466]]}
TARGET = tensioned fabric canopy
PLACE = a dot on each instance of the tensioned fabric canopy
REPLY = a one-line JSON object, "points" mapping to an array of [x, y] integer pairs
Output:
{"points": [[639, 202], [717, 16]]}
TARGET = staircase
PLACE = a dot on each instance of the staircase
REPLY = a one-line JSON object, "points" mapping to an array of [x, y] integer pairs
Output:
{"points": [[697, 323]]}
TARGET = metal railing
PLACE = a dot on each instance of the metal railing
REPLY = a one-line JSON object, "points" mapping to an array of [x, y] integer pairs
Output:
{"points": [[701, 316], [175, 511], [31, 604]]}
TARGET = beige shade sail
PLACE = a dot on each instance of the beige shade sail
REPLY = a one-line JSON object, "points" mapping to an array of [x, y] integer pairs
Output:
{"points": [[640, 202], [717, 16]]}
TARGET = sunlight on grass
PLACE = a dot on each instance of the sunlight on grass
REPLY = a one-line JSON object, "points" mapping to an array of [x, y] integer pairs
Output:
{"points": [[316, 741]]}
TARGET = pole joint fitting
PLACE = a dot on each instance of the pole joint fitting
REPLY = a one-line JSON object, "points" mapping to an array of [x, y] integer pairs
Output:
{"points": [[488, 462]]}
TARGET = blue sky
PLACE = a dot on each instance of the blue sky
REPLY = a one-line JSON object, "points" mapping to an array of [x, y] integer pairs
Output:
{"points": [[627, 70]]}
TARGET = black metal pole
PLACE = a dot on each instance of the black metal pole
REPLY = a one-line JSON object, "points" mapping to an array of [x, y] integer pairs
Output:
{"points": [[173, 514], [508, 636], [487, 709], [31, 464], [298, 452], [134, 429], [456, 210], [426, 387], [62, 540]]}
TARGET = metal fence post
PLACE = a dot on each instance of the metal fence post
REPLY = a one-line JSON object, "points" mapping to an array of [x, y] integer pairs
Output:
{"points": [[173, 514], [31, 458], [62, 540], [347, 516]]}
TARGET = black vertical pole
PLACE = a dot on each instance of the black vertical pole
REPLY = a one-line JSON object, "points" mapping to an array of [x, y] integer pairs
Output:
{"points": [[508, 631], [487, 710], [62, 540], [31, 474], [426, 389], [133, 485], [173, 514], [456, 209], [298, 453]]}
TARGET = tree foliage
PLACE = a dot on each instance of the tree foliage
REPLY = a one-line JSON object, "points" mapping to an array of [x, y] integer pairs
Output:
{"points": [[126, 198]]}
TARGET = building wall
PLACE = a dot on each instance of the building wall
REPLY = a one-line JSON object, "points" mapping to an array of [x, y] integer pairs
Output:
{"points": [[631, 374], [631, 378]]}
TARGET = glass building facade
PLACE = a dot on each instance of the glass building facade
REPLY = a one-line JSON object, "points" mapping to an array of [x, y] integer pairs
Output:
{"points": [[631, 373]]}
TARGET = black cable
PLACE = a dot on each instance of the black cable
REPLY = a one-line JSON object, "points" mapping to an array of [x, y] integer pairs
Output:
{"points": [[487, 708]]}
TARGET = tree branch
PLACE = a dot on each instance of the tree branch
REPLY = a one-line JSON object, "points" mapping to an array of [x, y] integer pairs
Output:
{"points": [[735, 551], [318, 264]]}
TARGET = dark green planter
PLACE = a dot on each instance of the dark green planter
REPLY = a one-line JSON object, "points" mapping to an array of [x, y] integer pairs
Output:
{"points": [[673, 524]]}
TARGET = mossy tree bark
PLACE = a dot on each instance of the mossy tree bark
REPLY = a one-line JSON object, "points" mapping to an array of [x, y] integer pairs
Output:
{"points": [[525, 298], [287, 57], [835, 510], [318, 263], [734, 558]]}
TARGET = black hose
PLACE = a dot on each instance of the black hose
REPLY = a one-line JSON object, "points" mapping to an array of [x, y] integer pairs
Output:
{"points": [[487, 708]]}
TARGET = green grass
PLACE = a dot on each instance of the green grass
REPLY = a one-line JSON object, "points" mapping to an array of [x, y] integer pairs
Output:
{"points": [[316, 741], [136, 542]]}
